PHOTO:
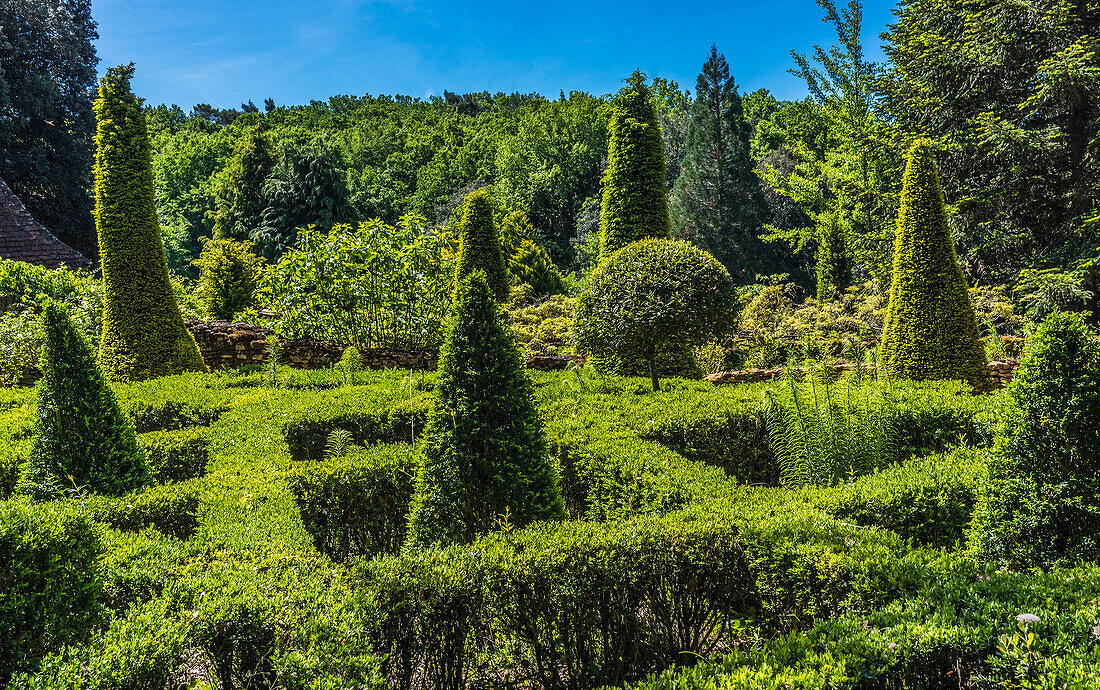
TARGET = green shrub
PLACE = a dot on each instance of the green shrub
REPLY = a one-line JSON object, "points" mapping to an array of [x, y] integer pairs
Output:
{"points": [[81, 438], [545, 328], [651, 299], [357, 505], [50, 581], [173, 456], [143, 332], [138, 566], [1042, 506], [228, 274], [479, 246], [485, 455], [931, 331], [635, 200], [531, 265], [834, 271], [173, 509]]}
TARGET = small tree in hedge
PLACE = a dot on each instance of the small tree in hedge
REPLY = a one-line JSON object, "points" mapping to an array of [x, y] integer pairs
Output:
{"points": [[143, 332], [834, 271], [81, 436], [1042, 505], [930, 331], [635, 199], [651, 297], [479, 245], [485, 456], [228, 273]]}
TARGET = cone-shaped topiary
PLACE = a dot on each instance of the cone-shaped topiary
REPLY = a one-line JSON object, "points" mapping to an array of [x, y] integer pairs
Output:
{"points": [[81, 436], [485, 456], [1041, 507], [479, 245], [143, 332], [931, 331], [635, 200]]}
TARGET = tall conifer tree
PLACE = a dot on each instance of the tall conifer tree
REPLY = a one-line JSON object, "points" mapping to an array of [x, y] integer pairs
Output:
{"points": [[239, 192], [718, 202]]}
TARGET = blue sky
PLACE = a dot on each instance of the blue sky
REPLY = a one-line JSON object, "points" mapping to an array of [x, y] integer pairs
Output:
{"points": [[224, 53]]}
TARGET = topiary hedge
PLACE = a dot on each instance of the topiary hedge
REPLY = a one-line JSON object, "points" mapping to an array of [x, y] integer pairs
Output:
{"points": [[931, 331], [143, 332], [174, 456], [479, 245]]}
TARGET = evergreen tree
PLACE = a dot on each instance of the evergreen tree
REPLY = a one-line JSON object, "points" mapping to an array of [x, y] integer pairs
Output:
{"points": [[479, 245], [931, 331], [228, 274], [718, 202], [46, 119], [635, 203], [143, 332], [82, 439], [306, 188], [238, 193], [485, 455], [834, 271]]}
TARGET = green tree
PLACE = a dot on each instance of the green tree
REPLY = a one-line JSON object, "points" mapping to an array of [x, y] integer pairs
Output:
{"points": [[228, 274], [479, 246], [143, 332], [528, 262], [306, 188], [834, 271], [238, 192], [49, 68], [1041, 508], [635, 202], [931, 331], [652, 298], [717, 202], [485, 458], [82, 439]]}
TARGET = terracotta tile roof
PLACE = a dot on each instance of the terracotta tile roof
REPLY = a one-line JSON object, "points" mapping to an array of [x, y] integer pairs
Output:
{"points": [[22, 238]]}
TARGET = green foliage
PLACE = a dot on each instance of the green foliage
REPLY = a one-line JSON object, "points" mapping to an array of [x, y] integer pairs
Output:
{"points": [[485, 455], [82, 439], [143, 332], [652, 297], [545, 328], [528, 263], [479, 247], [374, 286], [50, 582], [931, 331], [239, 200], [635, 202], [174, 456], [1050, 290], [834, 271], [1041, 508], [357, 505], [228, 274]]}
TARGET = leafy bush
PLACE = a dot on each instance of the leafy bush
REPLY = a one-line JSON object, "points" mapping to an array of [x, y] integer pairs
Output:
{"points": [[172, 509], [1041, 507], [81, 438], [834, 271], [1046, 291], [143, 332], [485, 455], [174, 456], [479, 247], [357, 505], [931, 331], [545, 328], [376, 285], [50, 581], [653, 297], [228, 274]]}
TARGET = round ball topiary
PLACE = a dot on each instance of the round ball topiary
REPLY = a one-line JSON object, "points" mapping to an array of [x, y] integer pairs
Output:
{"points": [[652, 297]]}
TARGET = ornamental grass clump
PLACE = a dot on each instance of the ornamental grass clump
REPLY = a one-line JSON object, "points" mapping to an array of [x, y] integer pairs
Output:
{"points": [[485, 458], [1042, 504], [82, 439], [143, 332], [931, 332]]}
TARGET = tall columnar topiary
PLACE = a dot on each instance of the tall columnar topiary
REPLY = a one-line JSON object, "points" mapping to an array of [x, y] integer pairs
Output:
{"points": [[143, 332], [479, 245], [834, 271], [485, 457], [635, 201], [1041, 506], [650, 300], [931, 331], [81, 436]]}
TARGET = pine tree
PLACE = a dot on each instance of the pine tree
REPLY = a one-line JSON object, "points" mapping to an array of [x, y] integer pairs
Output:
{"points": [[143, 332], [931, 331], [834, 270], [238, 194], [82, 439], [635, 204], [485, 455], [479, 246], [718, 201]]}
